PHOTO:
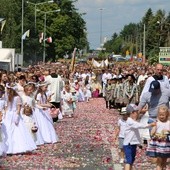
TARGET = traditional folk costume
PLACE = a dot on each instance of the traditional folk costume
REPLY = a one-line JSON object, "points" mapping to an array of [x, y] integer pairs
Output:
{"points": [[118, 93], [114, 84], [130, 93], [108, 95]]}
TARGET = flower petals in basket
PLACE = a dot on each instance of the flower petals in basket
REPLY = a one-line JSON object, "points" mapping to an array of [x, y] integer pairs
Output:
{"points": [[54, 112], [34, 129]]}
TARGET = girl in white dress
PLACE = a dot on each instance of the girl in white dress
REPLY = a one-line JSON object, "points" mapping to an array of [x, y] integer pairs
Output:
{"points": [[67, 103], [30, 122], [19, 139], [45, 122], [28, 99], [87, 89], [3, 135]]}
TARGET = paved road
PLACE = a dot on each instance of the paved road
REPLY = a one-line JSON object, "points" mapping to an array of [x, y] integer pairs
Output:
{"points": [[86, 143]]}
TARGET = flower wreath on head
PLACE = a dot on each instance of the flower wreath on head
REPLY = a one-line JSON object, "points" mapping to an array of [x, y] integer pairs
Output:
{"points": [[11, 86]]}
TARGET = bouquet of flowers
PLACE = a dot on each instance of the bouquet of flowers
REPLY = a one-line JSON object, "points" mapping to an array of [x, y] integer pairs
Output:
{"points": [[163, 136]]}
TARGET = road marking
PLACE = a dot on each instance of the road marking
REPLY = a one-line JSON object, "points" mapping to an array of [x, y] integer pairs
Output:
{"points": [[115, 157], [114, 151]]}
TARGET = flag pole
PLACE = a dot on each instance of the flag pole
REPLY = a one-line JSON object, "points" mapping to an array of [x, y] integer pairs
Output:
{"points": [[22, 30]]}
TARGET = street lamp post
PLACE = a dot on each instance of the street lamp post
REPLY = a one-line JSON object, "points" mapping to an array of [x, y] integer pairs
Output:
{"points": [[35, 9], [45, 25], [22, 28], [35, 15], [101, 20], [162, 23]]}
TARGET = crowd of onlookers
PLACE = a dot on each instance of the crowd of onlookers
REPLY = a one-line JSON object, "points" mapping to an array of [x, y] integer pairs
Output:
{"points": [[31, 101]]}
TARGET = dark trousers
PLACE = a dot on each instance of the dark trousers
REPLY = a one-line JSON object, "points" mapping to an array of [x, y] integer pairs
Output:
{"points": [[108, 104]]}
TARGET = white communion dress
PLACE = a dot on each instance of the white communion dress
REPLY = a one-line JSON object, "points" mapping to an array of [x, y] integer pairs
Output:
{"points": [[19, 140]]}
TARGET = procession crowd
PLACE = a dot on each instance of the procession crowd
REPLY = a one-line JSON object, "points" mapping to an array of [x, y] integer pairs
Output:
{"points": [[33, 100]]}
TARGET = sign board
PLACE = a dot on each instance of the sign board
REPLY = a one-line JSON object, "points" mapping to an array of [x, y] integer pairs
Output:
{"points": [[164, 55]]}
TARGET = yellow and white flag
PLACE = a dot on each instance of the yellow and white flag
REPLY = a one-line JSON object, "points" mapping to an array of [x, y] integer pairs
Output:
{"points": [[106, 62], [26, 34], [73, 60]]}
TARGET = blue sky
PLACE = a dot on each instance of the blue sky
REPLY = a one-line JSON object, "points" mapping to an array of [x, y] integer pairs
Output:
{"points": [[115, 14]]}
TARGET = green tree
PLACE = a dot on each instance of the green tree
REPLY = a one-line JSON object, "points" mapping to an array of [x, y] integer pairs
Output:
{"points": [[67, 28], [157, 34], [9, 9]]}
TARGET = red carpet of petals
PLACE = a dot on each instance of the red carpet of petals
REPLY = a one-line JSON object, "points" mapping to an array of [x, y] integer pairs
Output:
{"points": [[87, 142]]}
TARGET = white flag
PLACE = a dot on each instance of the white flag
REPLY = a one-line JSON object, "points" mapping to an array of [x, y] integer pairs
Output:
{"points": [[26, 34], [41, 37], [106, 62], [102, 64], [95, 63]]}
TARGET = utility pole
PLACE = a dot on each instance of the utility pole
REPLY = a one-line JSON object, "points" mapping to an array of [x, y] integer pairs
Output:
{"points": [[144, 43]]}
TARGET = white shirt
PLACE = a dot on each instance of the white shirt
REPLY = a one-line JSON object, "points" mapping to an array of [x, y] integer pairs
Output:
{"points": [[105, 77], [163, 126], [122, 125], [141, 78], [20, 89], [84, 75], [131, 133], [55, 87], [164, 83]]}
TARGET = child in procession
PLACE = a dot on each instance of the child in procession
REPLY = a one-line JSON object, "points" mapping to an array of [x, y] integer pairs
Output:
{"points": [[159, 145], [131, 135], [46, 123], [3, 135], [19, 139], [120, 132]]}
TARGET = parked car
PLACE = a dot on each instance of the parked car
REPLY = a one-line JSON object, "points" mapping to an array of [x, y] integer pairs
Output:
{"points": [[118, 59]]}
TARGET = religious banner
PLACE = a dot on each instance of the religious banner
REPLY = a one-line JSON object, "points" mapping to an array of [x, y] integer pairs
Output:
{"points": [[71, 69]]}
